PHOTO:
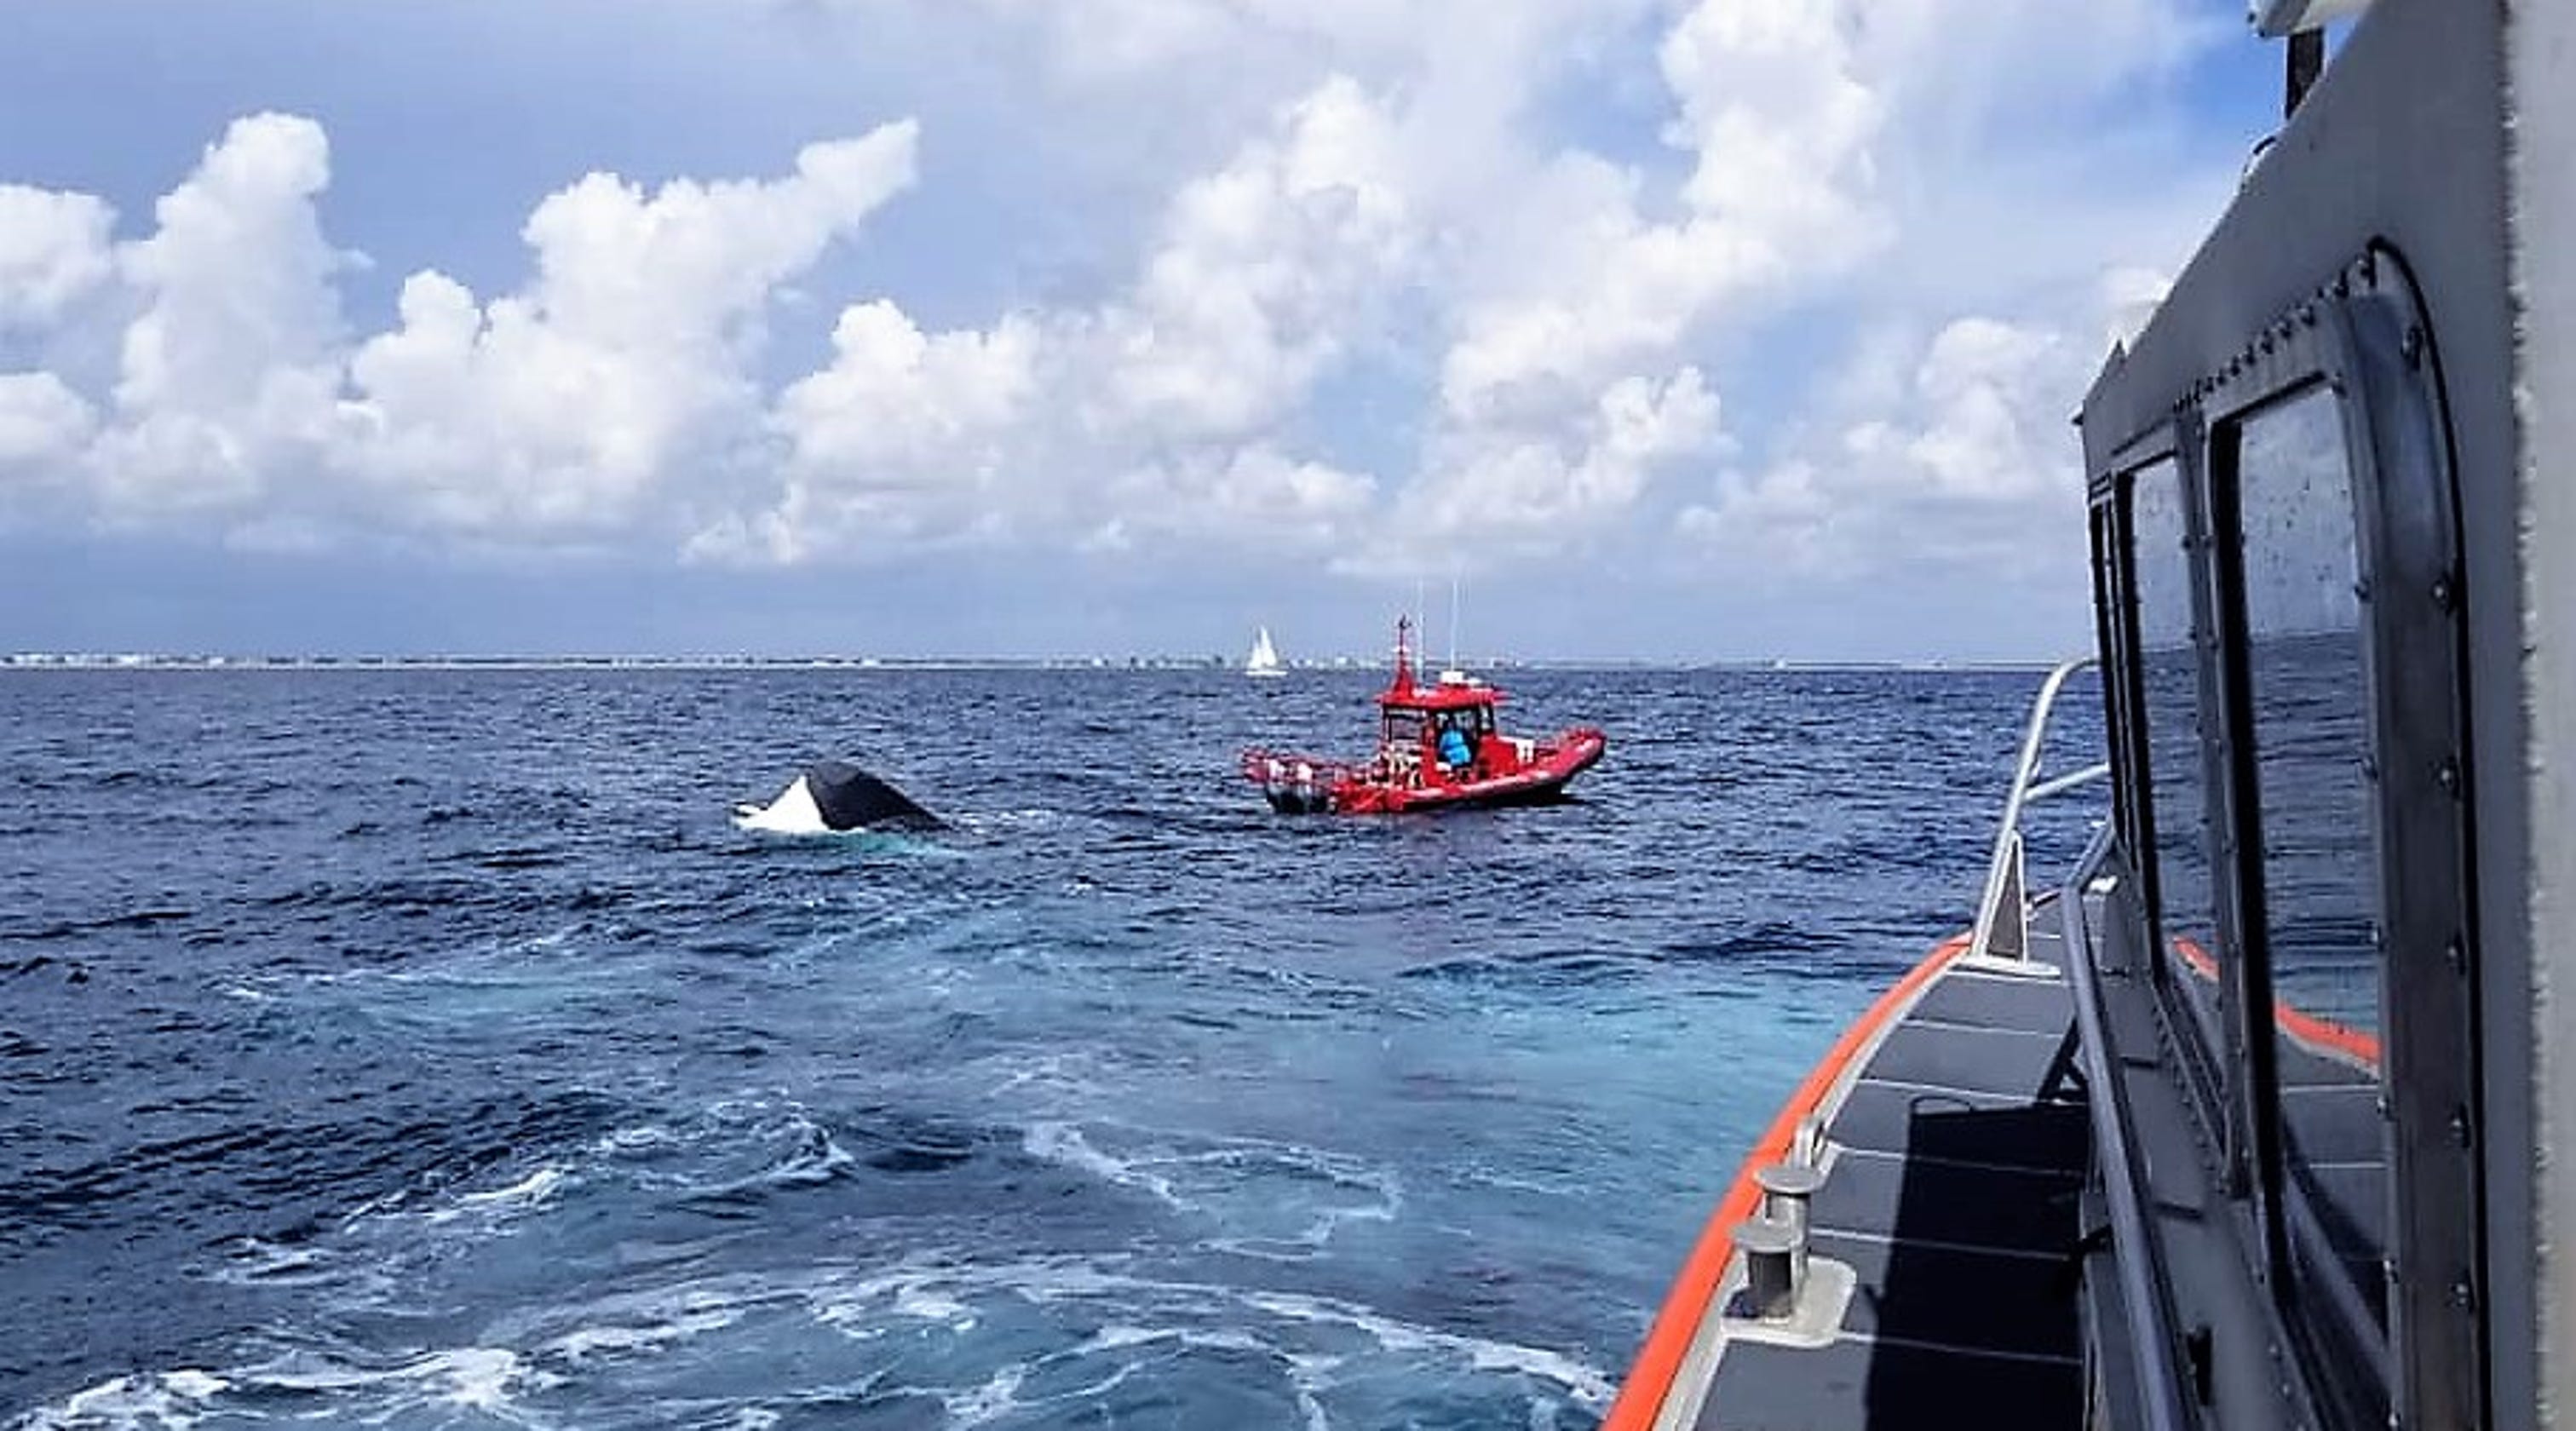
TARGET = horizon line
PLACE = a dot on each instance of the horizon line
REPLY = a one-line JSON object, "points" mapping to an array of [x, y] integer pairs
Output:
{"points": [[164, 660]]}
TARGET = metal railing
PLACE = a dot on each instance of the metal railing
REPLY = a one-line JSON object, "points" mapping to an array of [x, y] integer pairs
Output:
{"points": [[2146, 1300], [1997, 937]]}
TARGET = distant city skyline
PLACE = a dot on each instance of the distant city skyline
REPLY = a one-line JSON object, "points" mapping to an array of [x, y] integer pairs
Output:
{"points": [[1682, 330]]}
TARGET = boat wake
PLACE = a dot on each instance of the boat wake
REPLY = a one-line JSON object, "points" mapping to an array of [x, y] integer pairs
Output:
{"points": [[1031, 1341], [1258, 1198]]}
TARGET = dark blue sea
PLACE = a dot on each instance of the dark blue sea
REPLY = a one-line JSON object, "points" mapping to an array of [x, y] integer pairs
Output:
{"points": [[424, 1048]]}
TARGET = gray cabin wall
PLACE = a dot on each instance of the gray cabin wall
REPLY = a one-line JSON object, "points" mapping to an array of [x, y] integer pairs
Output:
{"points": [[2403, 142], [2541, 80]]}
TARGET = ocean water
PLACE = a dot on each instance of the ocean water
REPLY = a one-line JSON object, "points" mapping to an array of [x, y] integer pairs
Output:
{"points": [[428, 1048]]}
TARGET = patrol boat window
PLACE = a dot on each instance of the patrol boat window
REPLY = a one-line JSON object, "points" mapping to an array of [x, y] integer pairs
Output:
{"points": [[2314, 911], [2169, 675]]}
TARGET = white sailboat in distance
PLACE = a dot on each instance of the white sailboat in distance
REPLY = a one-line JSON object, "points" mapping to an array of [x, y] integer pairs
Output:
{"points": [[1264, 662]]}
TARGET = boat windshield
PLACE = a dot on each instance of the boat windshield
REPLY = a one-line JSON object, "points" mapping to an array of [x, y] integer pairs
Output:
{"points": [[1403, 727]]}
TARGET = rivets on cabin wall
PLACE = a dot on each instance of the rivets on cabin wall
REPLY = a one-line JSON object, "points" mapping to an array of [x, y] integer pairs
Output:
{"points": [[2455, 952], [2411, 347], [2447, 774], [2445, 595]]}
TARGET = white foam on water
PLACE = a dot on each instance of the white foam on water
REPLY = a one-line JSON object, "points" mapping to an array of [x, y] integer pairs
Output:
{"points": [[637, 1139], [641, 1334], [1587, 1383], [989, 1402], [535, 1187], [1309, 1376], [935, 1307], [1233, 1181], [1214, 1315], [251, 1261], [171, 1399], [731, 1146], [1064, 1143], [552, 942], [477, 1378], [1117, 1335], [1033, 818], [532, 1191], [1061, 1076], [1100, 1322]]}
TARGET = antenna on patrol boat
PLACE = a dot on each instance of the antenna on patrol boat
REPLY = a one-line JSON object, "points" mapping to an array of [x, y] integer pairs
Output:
{"points": [[2303, 24]]}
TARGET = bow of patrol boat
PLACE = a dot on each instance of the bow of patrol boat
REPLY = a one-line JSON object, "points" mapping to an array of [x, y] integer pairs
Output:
{"points": [[1902, 1238]]}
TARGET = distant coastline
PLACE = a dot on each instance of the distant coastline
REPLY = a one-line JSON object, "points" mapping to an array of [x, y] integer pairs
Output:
{"points": [[148, 661]]}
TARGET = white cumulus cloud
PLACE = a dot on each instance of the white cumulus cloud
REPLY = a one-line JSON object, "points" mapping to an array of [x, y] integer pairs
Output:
{"points": [[53, 252], [1262, 270], [1950, 449], [904, 435], [1154, 414], [229, 370], [1399, 288], [576, 402], [44, 425]]}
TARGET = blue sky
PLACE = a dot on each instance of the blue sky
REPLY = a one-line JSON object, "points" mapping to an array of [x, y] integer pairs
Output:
{"points": [[1677, 329]]}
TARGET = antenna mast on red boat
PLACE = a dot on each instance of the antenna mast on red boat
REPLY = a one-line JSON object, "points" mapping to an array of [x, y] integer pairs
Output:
{"points": [[1403, 684]]}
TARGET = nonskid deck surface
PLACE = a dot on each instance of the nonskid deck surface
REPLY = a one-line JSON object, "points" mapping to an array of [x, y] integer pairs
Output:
{"points": [[1951, 1192]]}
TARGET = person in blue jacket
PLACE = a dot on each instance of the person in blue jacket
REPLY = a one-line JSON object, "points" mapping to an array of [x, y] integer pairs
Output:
{"points": [[1454, 751]]}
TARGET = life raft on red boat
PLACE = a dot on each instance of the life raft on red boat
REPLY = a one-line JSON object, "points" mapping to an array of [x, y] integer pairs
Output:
{"points": [[1438, 749]]}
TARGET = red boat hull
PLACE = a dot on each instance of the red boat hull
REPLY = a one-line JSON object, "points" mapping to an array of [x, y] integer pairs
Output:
{"points": [[1347, 790]]}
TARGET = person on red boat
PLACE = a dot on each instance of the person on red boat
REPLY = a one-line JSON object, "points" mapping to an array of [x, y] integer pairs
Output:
{"points": [[1455, 753]]}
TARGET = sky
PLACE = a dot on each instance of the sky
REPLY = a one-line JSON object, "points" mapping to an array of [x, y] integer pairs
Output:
{"points": [[1666, 329]]}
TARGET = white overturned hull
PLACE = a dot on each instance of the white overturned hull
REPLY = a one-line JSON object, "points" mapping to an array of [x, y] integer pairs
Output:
{"points": [[792, 813]]}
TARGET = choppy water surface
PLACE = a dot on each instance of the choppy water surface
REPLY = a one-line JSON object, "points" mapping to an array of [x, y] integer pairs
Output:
{"points": [[428, 1049]]}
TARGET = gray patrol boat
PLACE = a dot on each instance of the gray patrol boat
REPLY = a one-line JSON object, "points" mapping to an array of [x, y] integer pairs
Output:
{"points": [[2266, 1117]]}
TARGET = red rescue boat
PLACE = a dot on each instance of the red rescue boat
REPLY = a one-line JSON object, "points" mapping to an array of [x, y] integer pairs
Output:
{"points": [[1438, 749]]}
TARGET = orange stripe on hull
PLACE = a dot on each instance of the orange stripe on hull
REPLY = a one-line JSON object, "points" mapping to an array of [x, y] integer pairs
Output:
{"points": [[1694, 1293], [2323, 1035]]}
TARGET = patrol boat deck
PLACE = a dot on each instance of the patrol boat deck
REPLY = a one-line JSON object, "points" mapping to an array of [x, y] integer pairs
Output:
{"points": [[1904, 1239], [1951, 1171]]}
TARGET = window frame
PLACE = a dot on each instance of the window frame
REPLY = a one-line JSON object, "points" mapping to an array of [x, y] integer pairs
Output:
{"points": [[2287, 1227], [2364, 336], [2169, 450]]}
